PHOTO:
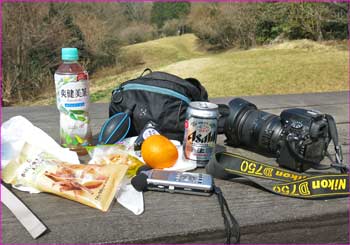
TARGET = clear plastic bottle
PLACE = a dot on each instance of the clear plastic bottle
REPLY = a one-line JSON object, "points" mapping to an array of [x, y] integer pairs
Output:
{"points": [[72, 94], [149, 129]]}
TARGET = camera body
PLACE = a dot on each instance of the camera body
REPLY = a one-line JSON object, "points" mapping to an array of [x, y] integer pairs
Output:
{"points": [[298, 138], [304, 139]]}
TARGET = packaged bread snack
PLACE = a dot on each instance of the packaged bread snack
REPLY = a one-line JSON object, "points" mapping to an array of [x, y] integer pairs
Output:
{"points": [[92, 185], [115, 154]]}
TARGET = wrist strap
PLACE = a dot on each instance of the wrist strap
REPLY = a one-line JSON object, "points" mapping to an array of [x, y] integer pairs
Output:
{"points": [[231, 224], [225, 165], [338, 163]]}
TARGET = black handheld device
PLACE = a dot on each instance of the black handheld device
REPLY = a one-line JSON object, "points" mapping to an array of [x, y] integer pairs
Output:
{"points": [[188, 183], [174, 182]]}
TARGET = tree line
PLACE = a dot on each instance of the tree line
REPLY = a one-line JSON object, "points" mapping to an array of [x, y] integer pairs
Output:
{"points": [[246, 25], [34, 33]]}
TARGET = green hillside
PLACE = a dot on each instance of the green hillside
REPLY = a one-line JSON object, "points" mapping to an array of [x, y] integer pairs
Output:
{"points": [[154, 54], [293, 67], [296, 67], [165, 51]]}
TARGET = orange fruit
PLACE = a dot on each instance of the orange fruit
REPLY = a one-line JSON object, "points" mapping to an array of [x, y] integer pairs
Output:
{"points": [[159, 152]]}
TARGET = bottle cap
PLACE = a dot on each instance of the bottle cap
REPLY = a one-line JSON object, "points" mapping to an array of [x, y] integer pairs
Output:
{"points": [[70, 54]]}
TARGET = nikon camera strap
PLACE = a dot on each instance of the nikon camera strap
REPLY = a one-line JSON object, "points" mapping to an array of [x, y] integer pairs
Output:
{"points": [[225, 165]]}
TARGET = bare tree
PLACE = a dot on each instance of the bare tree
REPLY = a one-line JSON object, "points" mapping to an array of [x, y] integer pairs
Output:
{"points": [[27, 30]]}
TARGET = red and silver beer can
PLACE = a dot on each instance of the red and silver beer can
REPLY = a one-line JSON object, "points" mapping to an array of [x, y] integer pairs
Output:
{"points": [[200, 132]]}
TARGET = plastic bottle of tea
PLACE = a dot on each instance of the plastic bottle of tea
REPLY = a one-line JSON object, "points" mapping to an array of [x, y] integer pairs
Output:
{"points": [[72, 94]]}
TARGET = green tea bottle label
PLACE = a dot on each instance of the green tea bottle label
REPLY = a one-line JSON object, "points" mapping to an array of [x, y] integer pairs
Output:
{"points": [[72, 94]]}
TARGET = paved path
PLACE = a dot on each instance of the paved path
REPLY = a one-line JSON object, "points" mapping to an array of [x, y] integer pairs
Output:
{"points": [[176, 218]]}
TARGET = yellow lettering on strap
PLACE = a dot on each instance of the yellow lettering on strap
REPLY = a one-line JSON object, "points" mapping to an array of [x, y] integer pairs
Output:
{"points": [[290, 183]]}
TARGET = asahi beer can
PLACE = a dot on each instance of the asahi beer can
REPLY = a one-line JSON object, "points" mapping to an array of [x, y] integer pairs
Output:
{"points": [[200, 132]]}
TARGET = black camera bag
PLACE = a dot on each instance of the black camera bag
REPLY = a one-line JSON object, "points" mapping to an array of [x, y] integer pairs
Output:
{"points": [[160, 97]]}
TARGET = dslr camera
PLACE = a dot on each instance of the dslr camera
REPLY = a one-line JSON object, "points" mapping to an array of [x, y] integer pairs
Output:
{"points": [[298, 138]]}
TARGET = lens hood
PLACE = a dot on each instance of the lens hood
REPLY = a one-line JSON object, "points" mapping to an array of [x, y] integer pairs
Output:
{"points": [[238, 107]]}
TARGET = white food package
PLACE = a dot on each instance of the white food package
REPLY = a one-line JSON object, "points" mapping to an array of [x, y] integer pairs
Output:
{"points": [[17, 131]]}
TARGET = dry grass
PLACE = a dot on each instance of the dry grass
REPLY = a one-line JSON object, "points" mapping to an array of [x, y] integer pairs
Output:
{"points": [[268, 71], [303, 44], [167, 50], [300, 66]]}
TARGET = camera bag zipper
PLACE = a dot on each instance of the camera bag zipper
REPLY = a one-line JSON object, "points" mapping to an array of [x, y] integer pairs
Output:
{"points": [[153, 89]]}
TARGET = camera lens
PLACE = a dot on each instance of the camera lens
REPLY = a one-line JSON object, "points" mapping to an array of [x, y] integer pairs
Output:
{"points": [[251, 128], [238, 108]]}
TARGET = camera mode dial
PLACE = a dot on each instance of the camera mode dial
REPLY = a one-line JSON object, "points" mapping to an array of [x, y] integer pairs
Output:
{"points": [[296, 125]]}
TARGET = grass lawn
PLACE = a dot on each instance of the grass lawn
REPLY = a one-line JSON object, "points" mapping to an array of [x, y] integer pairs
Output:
{"points": [[293, 67], [267, 71]]}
